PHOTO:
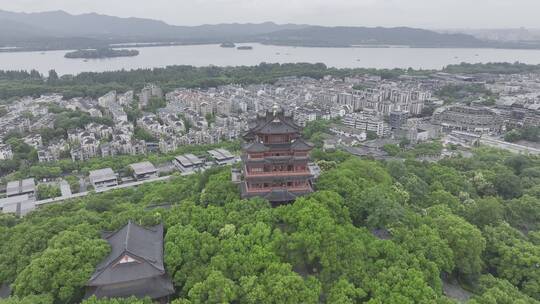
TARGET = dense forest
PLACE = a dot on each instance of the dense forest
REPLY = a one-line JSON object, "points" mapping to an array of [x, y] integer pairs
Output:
{"points": [[529, 133], [373, 232], [494, 68], [22, 83], [32, 83]]}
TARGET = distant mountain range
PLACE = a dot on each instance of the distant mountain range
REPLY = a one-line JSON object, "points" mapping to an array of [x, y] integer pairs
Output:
{"points": [[61, 30], [350, 36], [503, 35]]}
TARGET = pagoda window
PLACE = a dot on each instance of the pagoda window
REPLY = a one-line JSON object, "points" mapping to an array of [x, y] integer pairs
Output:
{"points": [[278, 138]]}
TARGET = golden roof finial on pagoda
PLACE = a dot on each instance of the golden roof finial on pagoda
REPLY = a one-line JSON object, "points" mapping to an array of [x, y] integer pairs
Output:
{"points": [[275, 108]]}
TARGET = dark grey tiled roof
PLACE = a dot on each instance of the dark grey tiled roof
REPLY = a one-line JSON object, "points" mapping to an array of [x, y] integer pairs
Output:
{"points": [[141, 244], [382, 234], [298, 145], [277, 127], [256, 147], [301, 145], [5, 291], [143, 168], [277, 124], [154, 288]]}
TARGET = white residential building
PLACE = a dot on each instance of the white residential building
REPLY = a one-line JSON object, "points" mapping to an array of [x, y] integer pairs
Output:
{"points": [[5, 152]]}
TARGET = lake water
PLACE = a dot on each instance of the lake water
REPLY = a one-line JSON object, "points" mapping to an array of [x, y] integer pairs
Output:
{"points": [[204, 55]]}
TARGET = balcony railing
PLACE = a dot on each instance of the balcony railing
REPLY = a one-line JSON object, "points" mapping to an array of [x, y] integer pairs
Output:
{"points": [[291, 189], [277, 158], [278, 173]]}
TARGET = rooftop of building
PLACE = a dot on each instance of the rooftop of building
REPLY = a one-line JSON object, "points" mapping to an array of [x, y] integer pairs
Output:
{"points": [[102, 175], [5, 291], [14, 200], [189, 160], [20, 186], [143, 167], [135, 264], [221, 154], [274, 122]]}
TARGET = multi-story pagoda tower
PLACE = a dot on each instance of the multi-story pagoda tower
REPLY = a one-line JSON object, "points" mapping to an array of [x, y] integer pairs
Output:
{"points": [[275, 159]]}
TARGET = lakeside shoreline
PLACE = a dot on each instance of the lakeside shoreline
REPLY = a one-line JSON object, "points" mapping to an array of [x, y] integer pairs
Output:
{"points": [[214, 55], [10, 49]]}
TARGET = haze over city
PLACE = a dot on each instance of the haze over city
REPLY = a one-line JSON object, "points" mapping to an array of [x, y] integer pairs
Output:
{"points": [[269, 151], [414, 13]]}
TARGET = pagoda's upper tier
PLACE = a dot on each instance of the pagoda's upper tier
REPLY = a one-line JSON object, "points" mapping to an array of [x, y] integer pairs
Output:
{"points": [[298, 145], [275, 122]]}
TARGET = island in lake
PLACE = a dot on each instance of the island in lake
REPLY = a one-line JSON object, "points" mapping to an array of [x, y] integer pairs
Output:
{"points": [[228, 45], [101, 53], [244, 48]]}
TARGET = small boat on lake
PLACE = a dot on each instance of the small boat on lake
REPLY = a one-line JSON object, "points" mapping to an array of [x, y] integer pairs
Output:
{"points": [[228, 45]]}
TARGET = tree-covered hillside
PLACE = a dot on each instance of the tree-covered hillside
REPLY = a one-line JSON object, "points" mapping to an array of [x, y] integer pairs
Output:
{"points": [[373, 232], [32, 83]]}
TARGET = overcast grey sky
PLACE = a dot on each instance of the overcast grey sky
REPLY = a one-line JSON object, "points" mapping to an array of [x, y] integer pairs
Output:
{"points": [[417, 13]]}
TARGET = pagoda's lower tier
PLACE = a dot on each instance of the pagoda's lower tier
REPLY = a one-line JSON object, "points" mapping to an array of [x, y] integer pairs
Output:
{"points": [[276, 194]]}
